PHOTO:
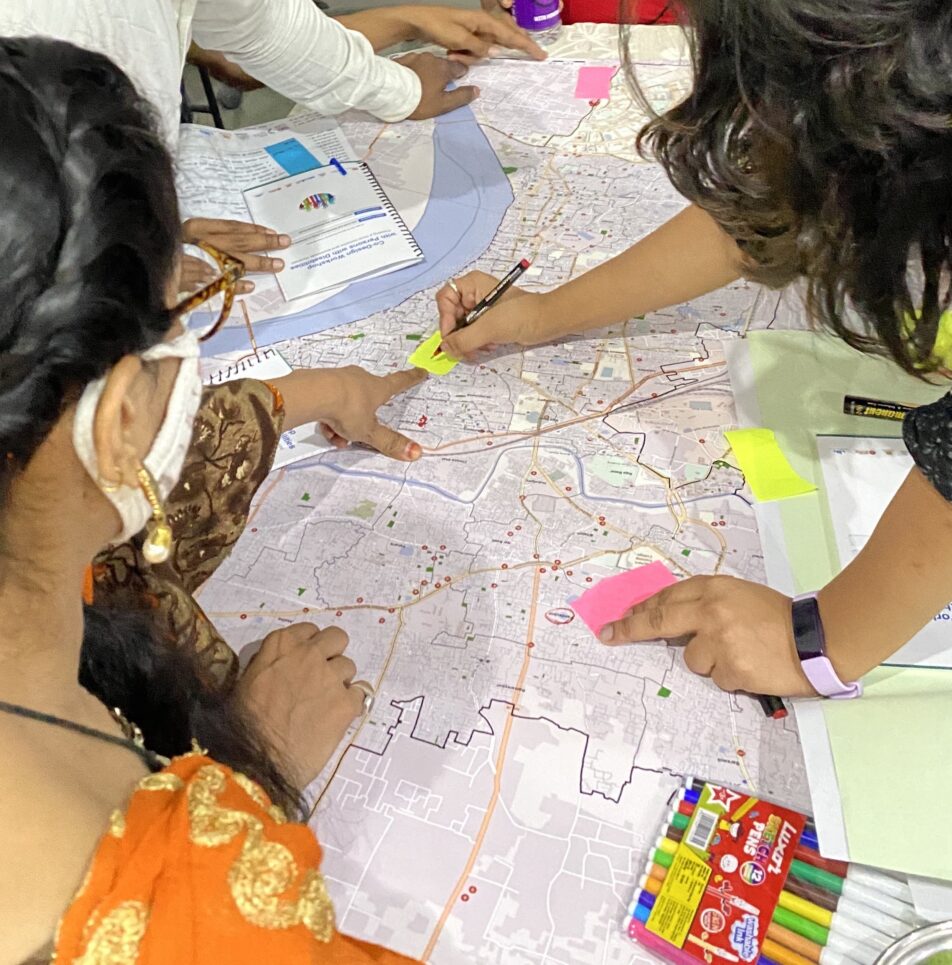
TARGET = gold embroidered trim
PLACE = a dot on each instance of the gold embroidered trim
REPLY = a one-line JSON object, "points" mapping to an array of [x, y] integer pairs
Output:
{"points": [[163, 781], [257, 795], [117, 937], [117, 824], [264, 870]]}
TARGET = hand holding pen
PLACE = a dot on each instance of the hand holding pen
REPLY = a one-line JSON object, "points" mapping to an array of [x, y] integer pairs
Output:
{"points": [[467, 323]]}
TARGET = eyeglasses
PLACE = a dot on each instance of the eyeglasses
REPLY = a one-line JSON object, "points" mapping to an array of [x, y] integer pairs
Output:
{"points": [[231, 270]]}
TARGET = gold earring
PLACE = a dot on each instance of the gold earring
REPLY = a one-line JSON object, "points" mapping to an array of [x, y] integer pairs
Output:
{"points": [[110, 487], [158, 539]]}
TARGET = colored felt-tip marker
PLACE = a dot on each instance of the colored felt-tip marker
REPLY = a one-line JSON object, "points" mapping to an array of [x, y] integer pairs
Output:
{"points": [[875, 408], [772, 706], [489, 300]]}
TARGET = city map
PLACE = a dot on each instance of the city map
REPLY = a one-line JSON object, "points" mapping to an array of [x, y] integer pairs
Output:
{"points": [[500, 800]]}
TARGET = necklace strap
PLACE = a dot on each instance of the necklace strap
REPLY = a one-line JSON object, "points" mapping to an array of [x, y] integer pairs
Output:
{"points": [[154, 761]]}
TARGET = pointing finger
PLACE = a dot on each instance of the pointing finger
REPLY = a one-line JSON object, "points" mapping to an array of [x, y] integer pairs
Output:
{"points": [[397, 382]]}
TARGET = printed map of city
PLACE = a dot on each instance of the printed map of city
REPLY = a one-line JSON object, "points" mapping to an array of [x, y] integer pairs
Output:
{"points": [[500, 801]]}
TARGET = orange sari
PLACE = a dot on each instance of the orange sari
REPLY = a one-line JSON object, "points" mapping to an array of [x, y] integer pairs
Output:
{"points": [[202, 869]]}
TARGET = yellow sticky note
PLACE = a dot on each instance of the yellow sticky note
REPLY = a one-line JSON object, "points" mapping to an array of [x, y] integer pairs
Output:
{"points": [[761, 460], [423, 357]]}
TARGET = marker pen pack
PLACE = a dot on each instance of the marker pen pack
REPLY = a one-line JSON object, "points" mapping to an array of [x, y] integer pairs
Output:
{"points": [[733, 878]]}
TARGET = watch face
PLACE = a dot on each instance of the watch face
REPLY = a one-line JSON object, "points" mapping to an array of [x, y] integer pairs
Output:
{"points": [[807, 629]]}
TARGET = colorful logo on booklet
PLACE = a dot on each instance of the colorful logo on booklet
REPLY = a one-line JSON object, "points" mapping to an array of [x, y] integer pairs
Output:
{"points": [[314, 202]]}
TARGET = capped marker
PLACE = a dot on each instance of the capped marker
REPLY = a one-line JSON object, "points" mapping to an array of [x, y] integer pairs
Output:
{"points": [[487, 302], [875, 408]]}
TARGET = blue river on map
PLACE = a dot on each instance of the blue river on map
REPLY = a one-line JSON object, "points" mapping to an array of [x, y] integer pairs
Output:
{"points": [[469, 196]]}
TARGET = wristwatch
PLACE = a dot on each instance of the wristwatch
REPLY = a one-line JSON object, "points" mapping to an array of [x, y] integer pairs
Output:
{"points": [[811, 649]]}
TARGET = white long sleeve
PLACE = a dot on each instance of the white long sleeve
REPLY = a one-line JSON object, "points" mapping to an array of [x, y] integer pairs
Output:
{"points": [[292, 46]]}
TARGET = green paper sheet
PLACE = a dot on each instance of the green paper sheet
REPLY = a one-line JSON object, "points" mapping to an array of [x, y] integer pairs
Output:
{"points": [[765, 467], [801, 379], [423, 357], [891, 749]]}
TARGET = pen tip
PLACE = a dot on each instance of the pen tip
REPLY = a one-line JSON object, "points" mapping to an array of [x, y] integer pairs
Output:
{"points": [[524, 263]]}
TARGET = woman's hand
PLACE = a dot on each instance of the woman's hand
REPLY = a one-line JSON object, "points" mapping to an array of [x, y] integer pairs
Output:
{"points": [[345, 401], [468, 35], [237, 238], [298, 688], [516, 317], [739, 634]]}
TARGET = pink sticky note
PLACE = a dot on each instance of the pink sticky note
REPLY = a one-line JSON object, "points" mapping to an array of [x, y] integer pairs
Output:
{"points": [[609, 599], [594, 83]]}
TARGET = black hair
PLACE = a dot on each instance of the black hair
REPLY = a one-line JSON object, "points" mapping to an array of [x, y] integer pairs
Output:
{"points": [[818, 134], [88, 237]]}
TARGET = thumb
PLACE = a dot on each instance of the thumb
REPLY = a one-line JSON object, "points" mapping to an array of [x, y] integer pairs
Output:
{"points": [[463, 343], [392, 444], [451, 100]]}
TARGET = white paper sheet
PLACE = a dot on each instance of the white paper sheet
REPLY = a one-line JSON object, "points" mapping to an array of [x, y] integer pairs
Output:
{"points": [[341, 224], [861, 474]]}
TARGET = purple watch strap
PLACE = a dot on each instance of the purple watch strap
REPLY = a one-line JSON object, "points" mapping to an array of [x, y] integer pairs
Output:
{"points": [[811, 648]]}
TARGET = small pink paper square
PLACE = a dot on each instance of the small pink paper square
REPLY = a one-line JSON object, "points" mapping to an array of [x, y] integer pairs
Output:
{"points": [[594, 83], [609, 599]]}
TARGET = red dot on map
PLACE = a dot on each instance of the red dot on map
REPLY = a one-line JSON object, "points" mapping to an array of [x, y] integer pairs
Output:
{"points": [[530, 644], [533, 473], [340, 613], [742, 753], [390, 610], [473, 889], [518, 528], [464, 897], [360, 599], [306, 609], [535, 556], [244, 616], [505, 566], [568, 572], [442, 547], [493, 586], [382, 620], [568, 489], [541, 569], [424, 547], [600, 402], [639, 359], [416, 592], [438, 585], [254, 529], [424, 582], [433, 558], [654, 395], [489, 443], [447, 579], [588, 579]]}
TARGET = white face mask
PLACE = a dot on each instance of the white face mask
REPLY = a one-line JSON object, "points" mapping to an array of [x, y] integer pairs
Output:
{"points": [[167, 455]]}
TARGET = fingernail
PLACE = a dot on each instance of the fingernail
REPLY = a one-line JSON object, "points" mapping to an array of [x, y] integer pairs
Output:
{"points": [[284, 241], [277, 264], [413, 451], [476, 92], [607, 633]]}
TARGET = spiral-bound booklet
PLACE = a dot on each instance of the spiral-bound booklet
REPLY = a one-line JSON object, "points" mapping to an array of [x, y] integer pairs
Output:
{"points": [[342, 226]]}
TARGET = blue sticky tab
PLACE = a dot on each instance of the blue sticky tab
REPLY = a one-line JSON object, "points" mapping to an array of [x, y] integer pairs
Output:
{"points": [[336, 164], [293, 156]]}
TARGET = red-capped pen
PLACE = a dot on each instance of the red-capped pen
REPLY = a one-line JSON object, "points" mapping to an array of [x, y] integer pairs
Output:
{"points": [[489, 300]]}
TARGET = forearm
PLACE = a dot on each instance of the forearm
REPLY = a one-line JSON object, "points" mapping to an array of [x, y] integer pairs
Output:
{"points": [[686, 257], [293, 47], [383, 27], [897, 583]]}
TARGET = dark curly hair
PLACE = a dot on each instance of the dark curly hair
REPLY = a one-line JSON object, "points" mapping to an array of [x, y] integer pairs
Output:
{"points": [[818, 134], [88, 237]]}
